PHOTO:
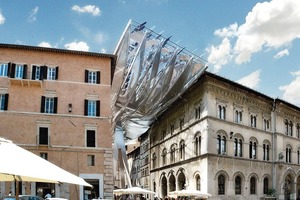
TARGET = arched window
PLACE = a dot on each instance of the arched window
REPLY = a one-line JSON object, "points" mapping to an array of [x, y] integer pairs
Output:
{"points": [[198, 182], [266, 185], [298, 130], [221, 185], [266, 124], [238, 116], [153, 160], [197, 144], [266, 152], [288, 154], [298, 156], [172, 153], [182, 150], [238, 147], [252, 150], [286, 125], [164, 156], [221, 144], [291, 128], [252, 185], [238, 185], [221, 112], [253, 121]]}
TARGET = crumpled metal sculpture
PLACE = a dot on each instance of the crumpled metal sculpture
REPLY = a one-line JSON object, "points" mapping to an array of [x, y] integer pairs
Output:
{"points": [[151, 73]]}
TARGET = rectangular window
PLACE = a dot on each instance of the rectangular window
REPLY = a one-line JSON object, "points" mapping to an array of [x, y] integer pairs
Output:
{"points": [[19, 71], [92, 108], [3, 69], [91, 160], [92, 77], [3, 101], [44, 155], [91, 138], [49, 104], [51, 74], [43, 136], [36, 73]]}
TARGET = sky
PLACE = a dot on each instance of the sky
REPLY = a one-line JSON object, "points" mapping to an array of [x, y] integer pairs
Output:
{"points": [[255, 43]]}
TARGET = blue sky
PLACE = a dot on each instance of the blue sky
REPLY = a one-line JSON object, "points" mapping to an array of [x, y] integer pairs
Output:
{"points": [[255, 43]]}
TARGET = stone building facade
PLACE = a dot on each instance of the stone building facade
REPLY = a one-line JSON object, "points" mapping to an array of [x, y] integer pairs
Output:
{"points": [[226, 140], [56, 104]]}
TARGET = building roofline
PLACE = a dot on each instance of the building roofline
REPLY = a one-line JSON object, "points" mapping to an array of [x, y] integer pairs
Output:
{"points": [[206, 73], [277, 101], [64, 51], [55, 50]]}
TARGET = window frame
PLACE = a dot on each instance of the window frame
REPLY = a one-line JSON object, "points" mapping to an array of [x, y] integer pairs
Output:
{"points": [[182, 149], [197, 144], [49, 104], [238, 185], [266, 185], [3, 69], [253, 185], [91, 160], [221, 184], [91, 140], [238, 147], [43, 135], [91, 104], [253, 149], [4, 101], [221, 144], [92, 76]]}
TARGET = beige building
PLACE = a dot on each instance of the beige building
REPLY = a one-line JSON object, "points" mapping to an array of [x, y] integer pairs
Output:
{"points": [[226, 140], [57, 104]]}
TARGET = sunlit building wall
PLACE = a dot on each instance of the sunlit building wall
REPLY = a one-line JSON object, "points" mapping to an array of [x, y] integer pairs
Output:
{"points": [[227, 140], [56, 104]]}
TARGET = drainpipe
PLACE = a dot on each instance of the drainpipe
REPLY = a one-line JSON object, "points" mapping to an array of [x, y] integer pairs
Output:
{"points": [[274, 141]]}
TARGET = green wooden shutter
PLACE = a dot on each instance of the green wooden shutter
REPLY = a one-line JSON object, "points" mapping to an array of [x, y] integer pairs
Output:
{"points": [[98, 108], [86, 76], [55, 105], [24, 71], [33, 72], [6, 101], [98, 77], [43, 104]]}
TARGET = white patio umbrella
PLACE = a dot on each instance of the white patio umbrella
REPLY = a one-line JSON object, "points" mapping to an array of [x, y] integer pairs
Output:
{"points": [[189, 193], [18, 164], [133, 190]]}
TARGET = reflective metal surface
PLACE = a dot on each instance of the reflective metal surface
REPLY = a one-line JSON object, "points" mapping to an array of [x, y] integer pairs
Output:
{"points": [[151, 73]]}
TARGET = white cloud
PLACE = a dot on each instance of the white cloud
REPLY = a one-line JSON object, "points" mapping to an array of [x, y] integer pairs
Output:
{"points": [[92, 9], [291, 91], [103, 50], [281, 54], [33, 13], [227, 31], [44, 44], [252, 80], [2, 18], [79, 46], [99, 38], [219, 55], [269, 25]]}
